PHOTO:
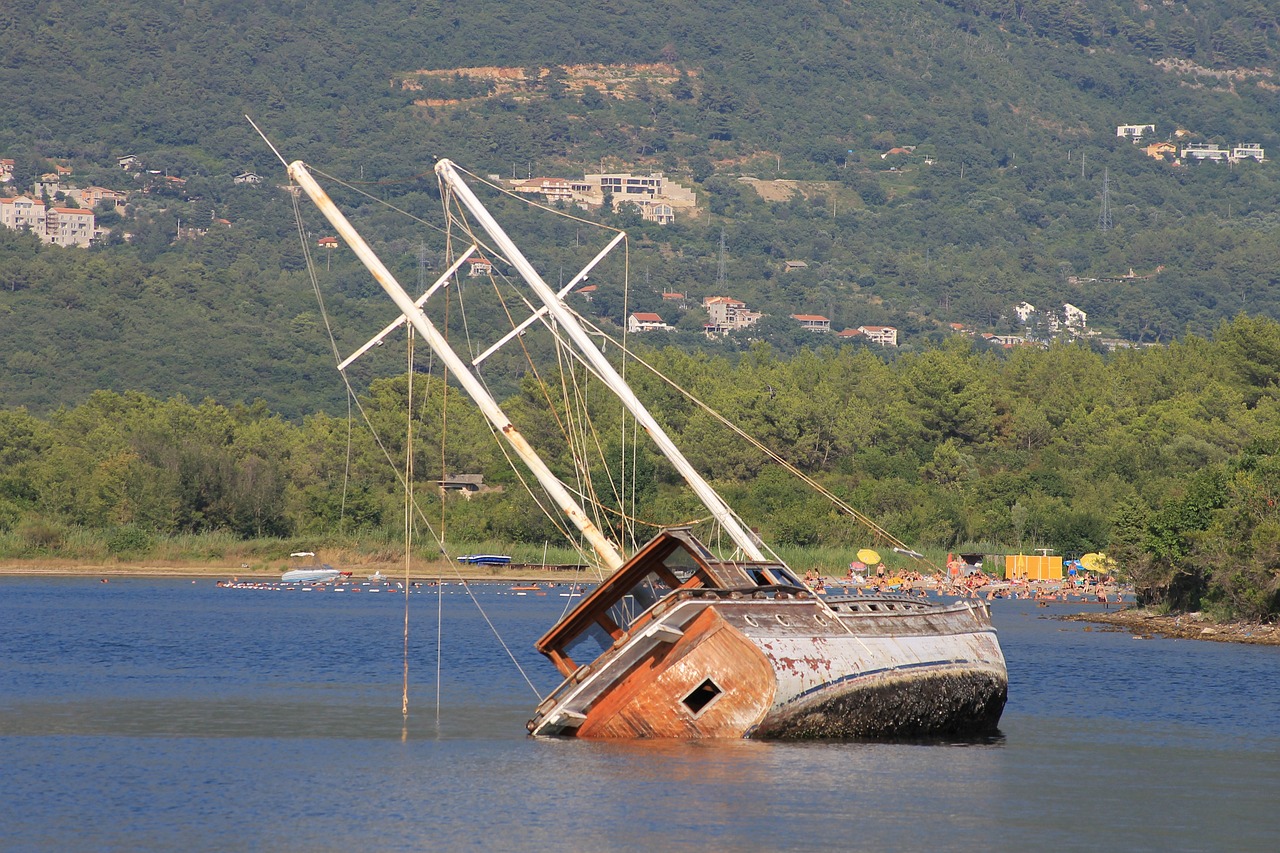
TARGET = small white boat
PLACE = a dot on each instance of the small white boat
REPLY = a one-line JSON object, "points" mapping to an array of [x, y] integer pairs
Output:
{"points": [[319, 574]]}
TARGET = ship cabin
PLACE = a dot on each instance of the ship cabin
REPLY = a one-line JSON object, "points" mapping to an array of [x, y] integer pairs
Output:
{"points": [[632, 600]]}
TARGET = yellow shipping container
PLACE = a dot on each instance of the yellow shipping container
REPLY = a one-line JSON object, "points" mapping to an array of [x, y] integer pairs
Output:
{"points": [[1033, 566]]}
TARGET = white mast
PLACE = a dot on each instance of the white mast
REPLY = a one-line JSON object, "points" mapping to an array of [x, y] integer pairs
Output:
{"points": [[719, 509], [603, 547]]}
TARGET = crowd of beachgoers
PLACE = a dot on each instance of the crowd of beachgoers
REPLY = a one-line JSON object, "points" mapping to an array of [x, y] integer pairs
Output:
{"points": [[1089, 587]]}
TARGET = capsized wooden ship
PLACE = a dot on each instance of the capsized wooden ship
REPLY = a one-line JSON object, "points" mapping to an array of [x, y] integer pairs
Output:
{"points": [[677, 643]]}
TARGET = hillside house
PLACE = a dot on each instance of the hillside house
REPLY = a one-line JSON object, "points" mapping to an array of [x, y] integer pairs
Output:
{"points": [[60, 226], [551, 189], [1006, 341], [1073, 317], [91, 197], [653, 188], [479, 266], [6, 170], [69, 226], [1135, 132], [1201, 151], [22, 213], [794, 266], [673, 297], [660, 212], [728, 314], [247, 178], [129, 162], [645, 321], [812, 322], [1024, 310], [886, 336], [327, 243], [1247, 151], [1161, 150], [588, 292]]}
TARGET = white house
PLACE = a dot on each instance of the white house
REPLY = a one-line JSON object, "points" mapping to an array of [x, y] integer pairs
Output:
{"points": [[1073, 317], [1024, 310], [1135, 132], [1248, 150], [644, 321], [886, 336], [1205, 151]]}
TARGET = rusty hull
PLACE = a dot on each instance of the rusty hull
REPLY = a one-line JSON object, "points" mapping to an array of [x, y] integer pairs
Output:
{"points": [[792, 668]]}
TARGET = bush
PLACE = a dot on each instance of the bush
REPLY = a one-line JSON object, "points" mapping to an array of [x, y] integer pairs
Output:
{"points": [[129, 540], [41, 536]]}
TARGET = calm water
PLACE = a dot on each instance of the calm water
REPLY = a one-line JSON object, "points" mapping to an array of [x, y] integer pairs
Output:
{"points": [[166, 715]]}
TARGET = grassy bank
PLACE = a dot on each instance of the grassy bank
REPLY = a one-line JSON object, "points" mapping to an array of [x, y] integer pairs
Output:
{"points": [[33, 546]]}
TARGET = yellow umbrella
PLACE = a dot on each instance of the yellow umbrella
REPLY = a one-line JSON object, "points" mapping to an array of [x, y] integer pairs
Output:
{"points": [[868, 556], [1093, 562]]}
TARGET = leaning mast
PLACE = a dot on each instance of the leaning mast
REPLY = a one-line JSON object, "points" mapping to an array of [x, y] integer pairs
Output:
{"points": [[605, 549], [719, 509]]}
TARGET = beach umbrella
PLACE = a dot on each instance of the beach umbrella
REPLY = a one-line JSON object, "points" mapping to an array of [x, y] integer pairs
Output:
{"points": [[867, 555], [857, 564], [1098, 562]]}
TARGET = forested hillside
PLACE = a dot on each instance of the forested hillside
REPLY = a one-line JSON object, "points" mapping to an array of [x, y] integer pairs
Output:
{"points": [[1165, 458], [1009, 111]]}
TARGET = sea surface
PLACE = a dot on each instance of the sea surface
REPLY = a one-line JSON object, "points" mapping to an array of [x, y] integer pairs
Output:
{"points": [[169, 715]]}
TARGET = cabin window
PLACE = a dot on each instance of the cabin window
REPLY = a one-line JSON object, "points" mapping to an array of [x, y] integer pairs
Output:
{"points": [[637, 600], [784, 577], [681, 564], [702, 696], [760, 578], [588, 645]]}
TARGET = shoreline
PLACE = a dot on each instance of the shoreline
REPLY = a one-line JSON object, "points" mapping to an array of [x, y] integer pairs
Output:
{"points": [[1145, 624], [427, 572]]}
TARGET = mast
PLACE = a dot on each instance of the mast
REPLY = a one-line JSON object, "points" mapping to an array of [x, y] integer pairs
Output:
{"points": [[602, 546], [718, 508]]}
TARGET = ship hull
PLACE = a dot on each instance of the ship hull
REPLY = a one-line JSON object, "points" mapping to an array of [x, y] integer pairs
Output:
{"points": [[792, 668]]}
